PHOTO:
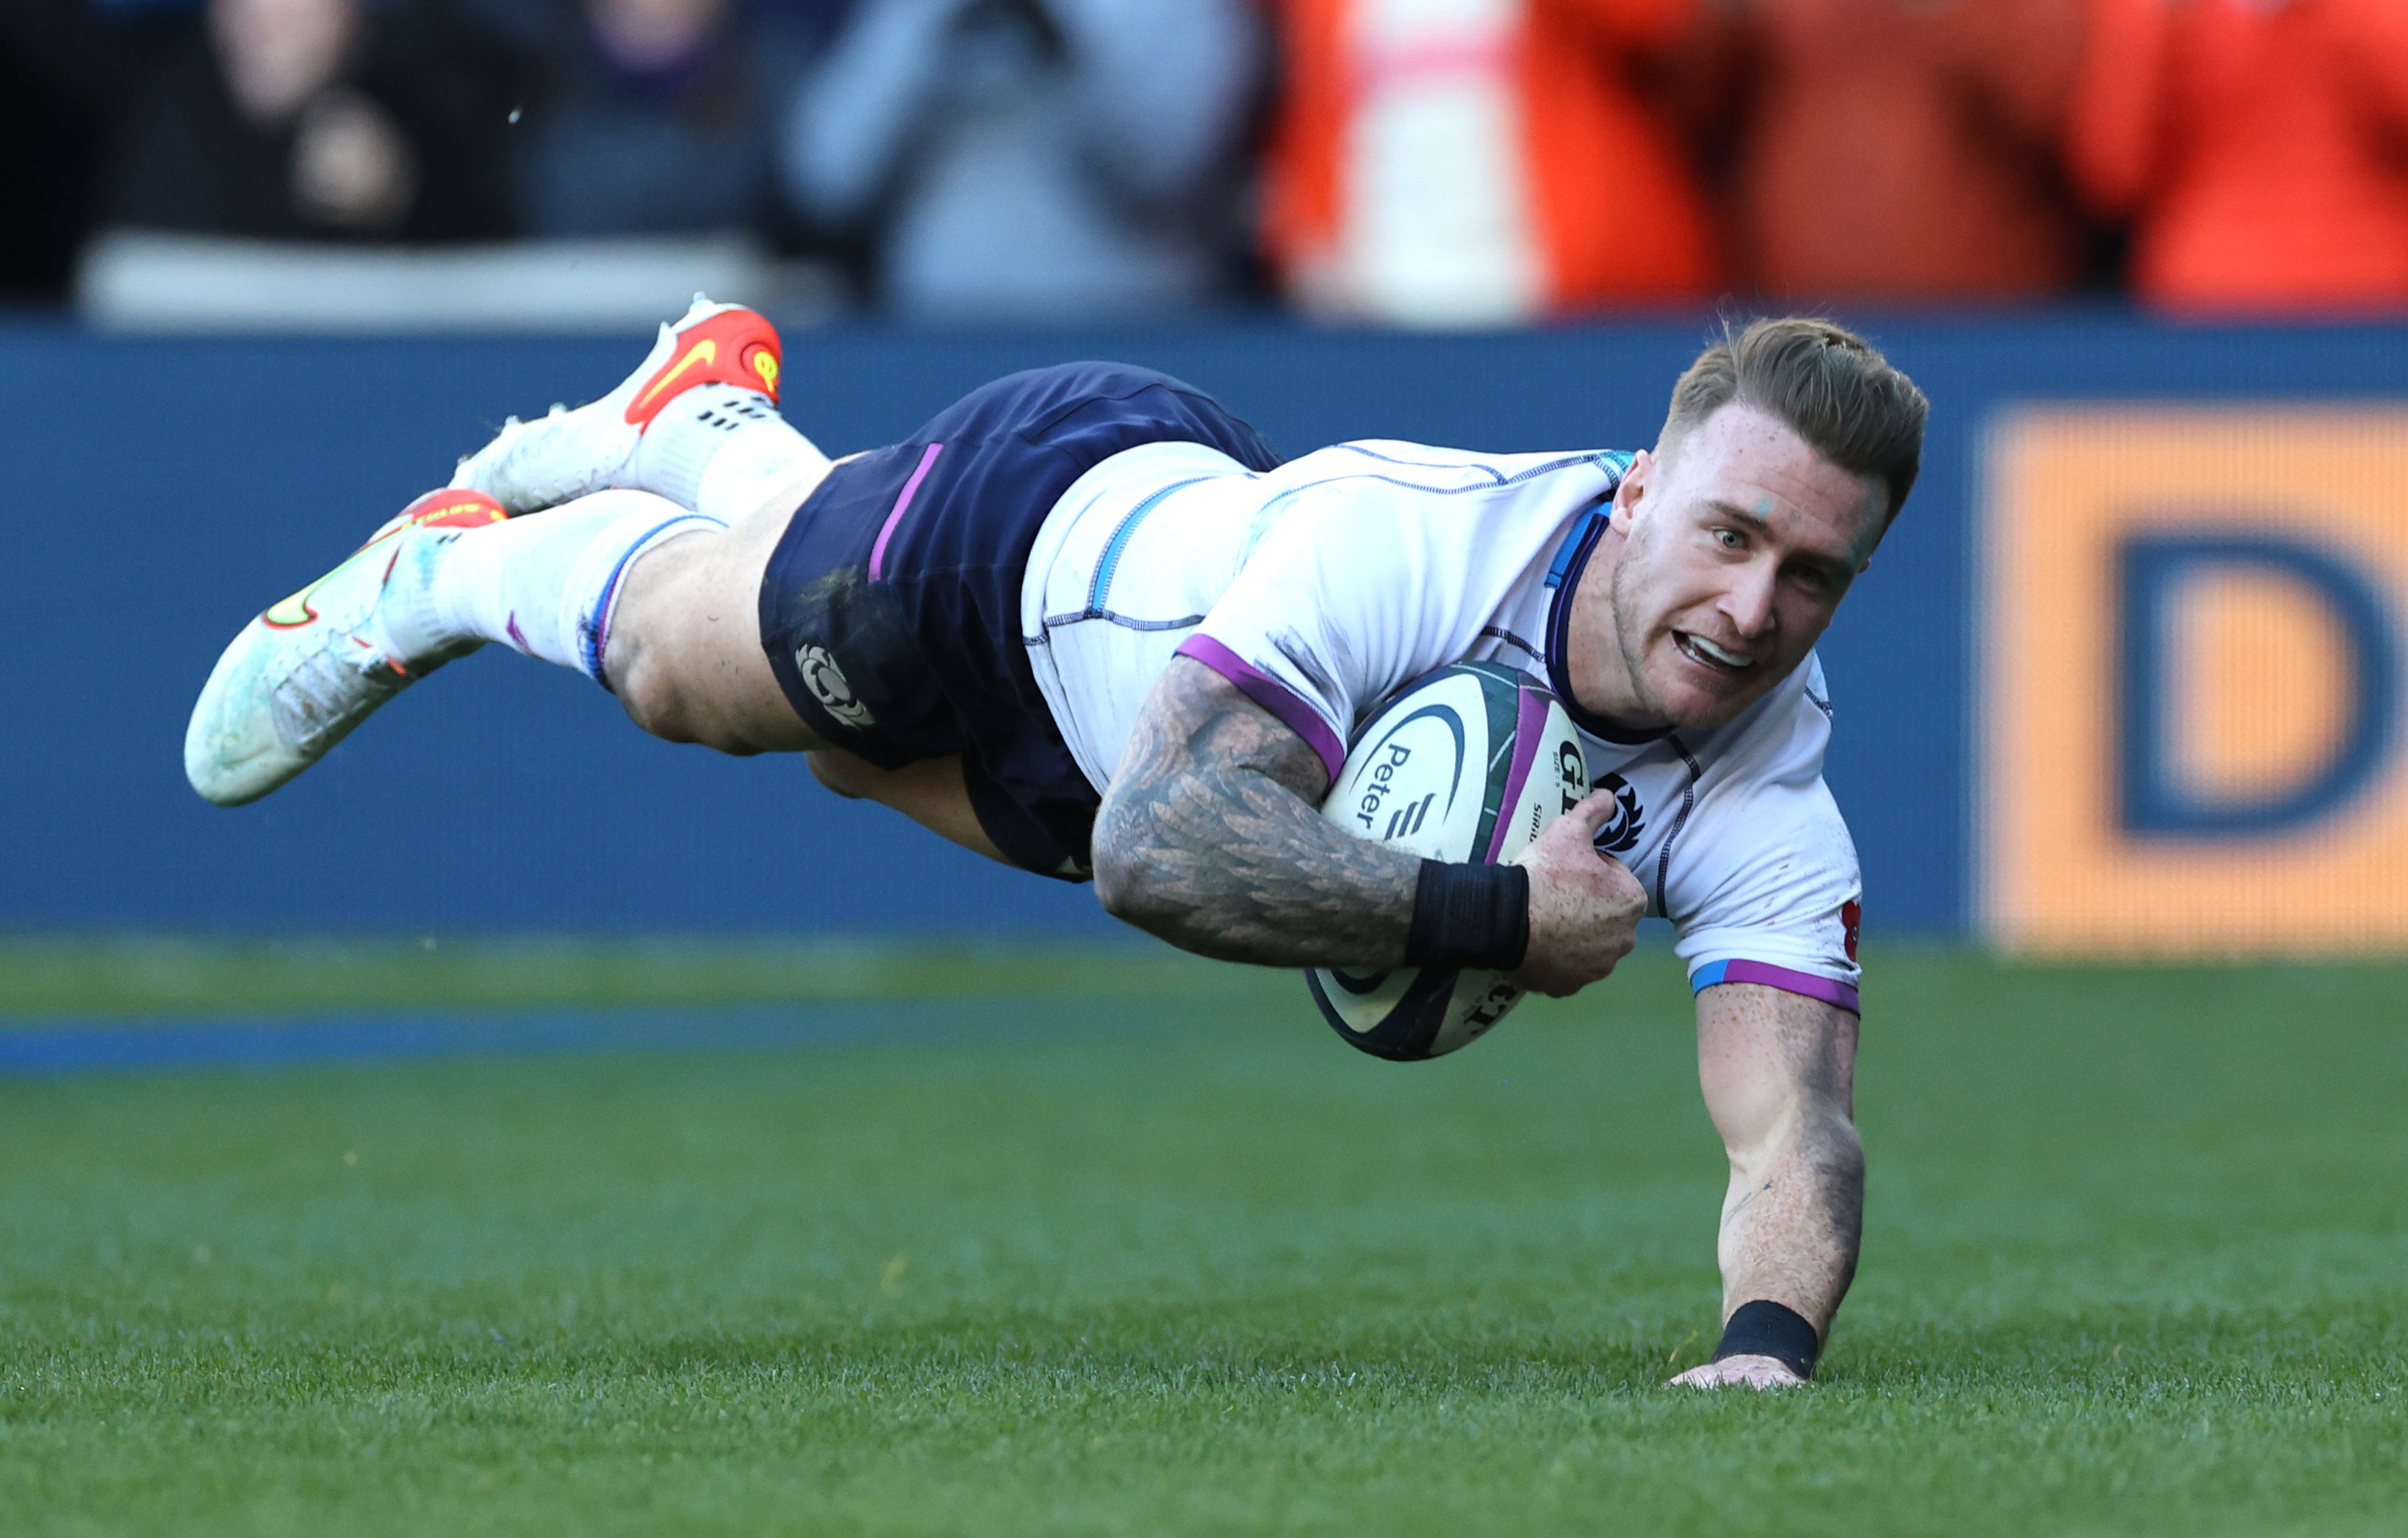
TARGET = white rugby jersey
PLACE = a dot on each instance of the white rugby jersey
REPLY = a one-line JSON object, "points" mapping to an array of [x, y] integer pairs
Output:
{"points": [[1324, 586]]}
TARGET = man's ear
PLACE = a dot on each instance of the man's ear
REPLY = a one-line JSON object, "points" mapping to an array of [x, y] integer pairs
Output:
{"points": [[1627, 495]]}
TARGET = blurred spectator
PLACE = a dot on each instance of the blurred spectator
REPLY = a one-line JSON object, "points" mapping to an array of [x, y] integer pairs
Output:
{"points": [[657, 116], [1032, 159], [298, 117], [1482, 161], [2260, 148], [59, 98], [1903, 149]]}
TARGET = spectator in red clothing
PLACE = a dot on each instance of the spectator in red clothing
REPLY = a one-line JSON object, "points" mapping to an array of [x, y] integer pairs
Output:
{"points": [[1900, 149], [1482, 162], [2259, 147]]}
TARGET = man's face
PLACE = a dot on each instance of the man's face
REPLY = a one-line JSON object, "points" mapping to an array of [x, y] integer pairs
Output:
{"points": [[1736, 549]]}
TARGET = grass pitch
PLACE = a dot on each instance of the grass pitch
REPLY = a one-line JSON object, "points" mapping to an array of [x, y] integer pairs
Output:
{"points": [[1156, 1254]]}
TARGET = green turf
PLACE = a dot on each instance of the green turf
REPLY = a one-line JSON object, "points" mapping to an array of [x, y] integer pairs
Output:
{"points": [[47, 976], [2136, 1261]]}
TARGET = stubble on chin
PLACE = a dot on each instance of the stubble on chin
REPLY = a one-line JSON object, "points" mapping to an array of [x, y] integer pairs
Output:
{"points": [[1629, 642], [1711, 713]]}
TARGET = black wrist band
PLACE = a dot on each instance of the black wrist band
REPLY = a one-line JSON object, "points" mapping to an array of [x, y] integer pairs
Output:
{"points": [[1470, 915], [1763, 1329]]}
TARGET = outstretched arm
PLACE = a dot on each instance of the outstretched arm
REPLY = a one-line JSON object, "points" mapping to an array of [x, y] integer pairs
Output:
{"points": [[1209, 839], [1779, 1073]]}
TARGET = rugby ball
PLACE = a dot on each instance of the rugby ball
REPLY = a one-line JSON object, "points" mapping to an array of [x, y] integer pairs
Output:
{"points": [[1466, 763]]}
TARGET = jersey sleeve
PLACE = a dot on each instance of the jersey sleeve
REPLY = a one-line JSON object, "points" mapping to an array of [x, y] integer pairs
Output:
{"points": [[1764, 887], [1337, 606], [1385, 560]]}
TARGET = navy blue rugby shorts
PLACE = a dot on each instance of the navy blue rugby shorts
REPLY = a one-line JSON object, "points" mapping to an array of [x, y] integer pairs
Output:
{"points": [[891, 608]]}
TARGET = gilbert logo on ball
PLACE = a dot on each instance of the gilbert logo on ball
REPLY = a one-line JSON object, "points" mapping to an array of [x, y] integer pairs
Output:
{"points": [[1466, 763]]}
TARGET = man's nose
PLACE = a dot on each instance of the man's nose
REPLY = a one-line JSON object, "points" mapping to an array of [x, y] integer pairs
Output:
{"points": [[1748, 605]]}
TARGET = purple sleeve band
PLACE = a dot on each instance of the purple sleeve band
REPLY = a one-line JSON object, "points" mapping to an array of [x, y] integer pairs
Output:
{"points": [[1839, 995], [1272, 696], [902, 506]]}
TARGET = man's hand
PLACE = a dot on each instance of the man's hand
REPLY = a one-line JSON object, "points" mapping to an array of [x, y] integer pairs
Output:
{"points": [[1740, 1373], [1584, 906]]}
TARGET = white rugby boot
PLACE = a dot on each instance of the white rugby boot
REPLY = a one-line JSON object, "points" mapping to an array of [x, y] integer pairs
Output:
{"points": [[530, 465], [302, 675]]}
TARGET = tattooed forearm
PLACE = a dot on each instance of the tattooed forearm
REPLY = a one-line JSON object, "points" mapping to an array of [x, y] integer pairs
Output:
{"points": [[1208, 838]]}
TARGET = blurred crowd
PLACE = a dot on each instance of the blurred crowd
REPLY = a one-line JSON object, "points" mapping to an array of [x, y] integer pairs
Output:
{"points": [[1415, 162]]}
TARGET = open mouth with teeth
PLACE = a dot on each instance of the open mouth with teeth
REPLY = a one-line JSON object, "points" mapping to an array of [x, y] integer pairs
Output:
{"points": [[1713, 658]]}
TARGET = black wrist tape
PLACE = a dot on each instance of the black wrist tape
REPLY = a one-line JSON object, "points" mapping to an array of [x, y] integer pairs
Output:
{"points": [[1470, 915], [1763, 1329]]}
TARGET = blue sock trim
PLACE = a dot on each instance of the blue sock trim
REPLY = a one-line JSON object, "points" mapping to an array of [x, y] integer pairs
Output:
{"points": [[594, 627]]}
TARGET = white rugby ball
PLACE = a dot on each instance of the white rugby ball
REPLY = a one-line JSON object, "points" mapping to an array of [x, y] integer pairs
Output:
{"points": [[1466, 763]]}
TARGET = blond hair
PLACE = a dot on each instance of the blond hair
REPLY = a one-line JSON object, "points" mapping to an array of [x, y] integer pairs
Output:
{"points": [[1830, 385]]}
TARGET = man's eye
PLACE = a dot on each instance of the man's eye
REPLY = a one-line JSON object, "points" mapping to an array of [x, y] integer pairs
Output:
{"points": [[1730, 539]]}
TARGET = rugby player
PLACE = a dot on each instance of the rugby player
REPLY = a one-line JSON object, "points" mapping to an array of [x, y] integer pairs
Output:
{"points": [[1088, 624]]}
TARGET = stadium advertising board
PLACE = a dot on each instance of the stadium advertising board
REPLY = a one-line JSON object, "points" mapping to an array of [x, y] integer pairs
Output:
{"points": [[2192, 653]]}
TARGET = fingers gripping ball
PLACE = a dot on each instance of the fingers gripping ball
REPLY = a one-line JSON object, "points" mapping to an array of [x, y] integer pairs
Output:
{"points": [[1466, 763]]}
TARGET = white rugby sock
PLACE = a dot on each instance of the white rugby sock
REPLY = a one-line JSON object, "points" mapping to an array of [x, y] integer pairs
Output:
{"points": [[725, 453], [545, 584]]}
